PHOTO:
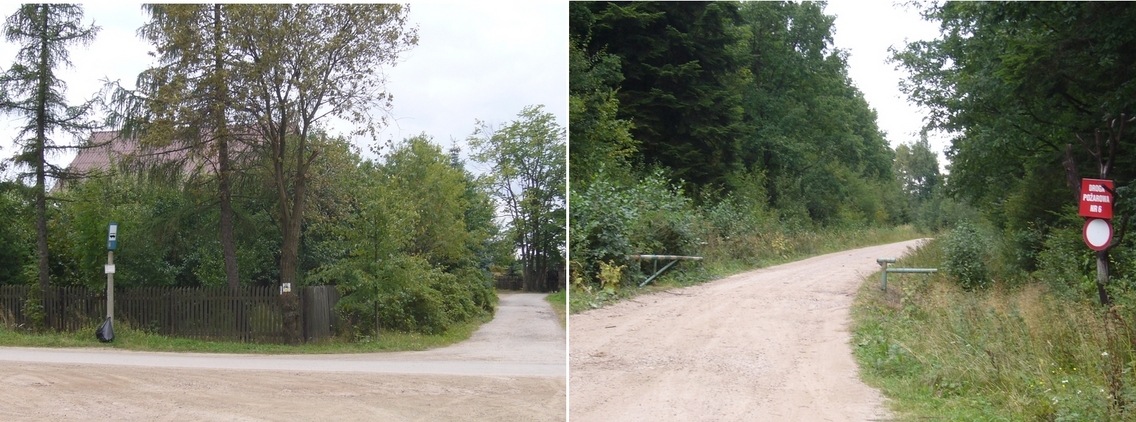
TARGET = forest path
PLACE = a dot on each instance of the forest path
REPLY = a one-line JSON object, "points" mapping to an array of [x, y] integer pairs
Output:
{"points": [[771, 344]]}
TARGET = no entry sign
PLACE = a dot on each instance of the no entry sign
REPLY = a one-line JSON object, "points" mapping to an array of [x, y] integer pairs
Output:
{"points": [[1098, 234], [1096, 198]]}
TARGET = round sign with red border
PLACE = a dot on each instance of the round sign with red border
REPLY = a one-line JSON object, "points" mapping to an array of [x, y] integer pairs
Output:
{"points": [[1098, 233]]}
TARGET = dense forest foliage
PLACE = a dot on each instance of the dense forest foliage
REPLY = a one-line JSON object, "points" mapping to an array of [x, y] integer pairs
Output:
{"points": [[723, 129], [1030, 323], [1035, 97]]}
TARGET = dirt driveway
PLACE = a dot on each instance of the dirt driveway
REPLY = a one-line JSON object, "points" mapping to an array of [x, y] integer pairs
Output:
{"points": [[771, 344], [511, 369]]}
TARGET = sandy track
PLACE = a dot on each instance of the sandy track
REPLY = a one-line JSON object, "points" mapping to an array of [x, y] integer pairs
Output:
{"points": [[771, 344], [511, 369]]}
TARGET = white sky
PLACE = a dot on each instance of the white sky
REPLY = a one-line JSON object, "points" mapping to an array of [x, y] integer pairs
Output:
{"points": [[473, 61], [488, 61], [866, 29]]}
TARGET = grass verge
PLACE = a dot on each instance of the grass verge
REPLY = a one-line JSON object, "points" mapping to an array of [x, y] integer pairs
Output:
{"points": [[940, 352], [721, 260], [128, 338], [559, 302]]}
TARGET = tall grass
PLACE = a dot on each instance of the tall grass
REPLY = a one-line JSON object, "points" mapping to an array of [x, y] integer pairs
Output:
{"points": [[1021, 353], [559, 300]]}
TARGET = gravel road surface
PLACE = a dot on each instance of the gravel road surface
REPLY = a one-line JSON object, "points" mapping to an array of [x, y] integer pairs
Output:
{"points": [[511, 369], [771, 344]]}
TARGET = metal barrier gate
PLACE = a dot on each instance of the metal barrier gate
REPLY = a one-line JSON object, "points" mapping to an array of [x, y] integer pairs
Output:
{"points": [[656, 258], [884, 275]]}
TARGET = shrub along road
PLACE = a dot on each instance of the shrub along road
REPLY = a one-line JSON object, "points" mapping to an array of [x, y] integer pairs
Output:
{"points": [[512, 368], [771, 344]]}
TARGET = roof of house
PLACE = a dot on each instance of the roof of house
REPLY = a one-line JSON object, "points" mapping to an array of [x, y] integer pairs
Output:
{"points": [[108, 145]]}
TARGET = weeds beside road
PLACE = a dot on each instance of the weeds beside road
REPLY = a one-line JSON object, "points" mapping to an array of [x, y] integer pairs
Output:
{"points": [[559, 302], [719, 261], [1003, 353]]}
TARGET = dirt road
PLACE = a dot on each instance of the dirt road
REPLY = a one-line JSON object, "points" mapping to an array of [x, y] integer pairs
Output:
{"points": [[511, 369], [771, 344]]}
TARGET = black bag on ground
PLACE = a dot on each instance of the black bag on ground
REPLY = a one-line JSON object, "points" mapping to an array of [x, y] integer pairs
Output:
{"points": [[105, 333]]}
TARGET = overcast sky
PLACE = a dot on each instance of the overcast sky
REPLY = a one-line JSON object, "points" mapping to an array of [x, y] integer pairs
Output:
{"points": [[866, 29], [488, 61], [473, 61]]}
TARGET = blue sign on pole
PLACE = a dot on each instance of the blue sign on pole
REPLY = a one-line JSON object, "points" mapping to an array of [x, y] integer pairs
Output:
{"points": [[112, 236]]}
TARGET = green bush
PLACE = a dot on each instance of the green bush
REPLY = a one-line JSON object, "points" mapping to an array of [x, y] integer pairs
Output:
{"points": [[416, 309], [941, 212], [601, 219], [408, 294], [966, 256], [17, 237], [1064, 261], [610, 222], [480, 287]]}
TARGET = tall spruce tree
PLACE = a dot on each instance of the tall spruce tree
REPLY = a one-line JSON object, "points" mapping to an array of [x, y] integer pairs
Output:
{"points": [[681, 73], [33, 92], [187, 98]]}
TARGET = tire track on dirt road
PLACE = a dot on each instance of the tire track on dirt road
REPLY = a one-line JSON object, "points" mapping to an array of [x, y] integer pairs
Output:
{"points": [[771, 344]]}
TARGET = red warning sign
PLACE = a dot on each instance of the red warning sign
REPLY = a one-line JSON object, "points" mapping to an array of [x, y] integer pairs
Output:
{"points": [[1096, 198]]}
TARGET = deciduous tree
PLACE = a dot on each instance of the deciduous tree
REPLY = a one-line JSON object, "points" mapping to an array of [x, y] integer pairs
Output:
{"points": [[918, 169], [1016, 85], [527, 157], [300, 65]]}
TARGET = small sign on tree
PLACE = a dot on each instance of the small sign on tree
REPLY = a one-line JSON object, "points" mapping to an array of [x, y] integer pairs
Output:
{"points": [[1097, 233]]}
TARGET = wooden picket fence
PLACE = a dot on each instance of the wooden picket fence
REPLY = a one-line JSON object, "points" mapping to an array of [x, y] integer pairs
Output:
{"points": [[247, 314]]}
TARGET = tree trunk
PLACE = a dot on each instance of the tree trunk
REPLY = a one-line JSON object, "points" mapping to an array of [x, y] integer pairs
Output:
{"points": [[41, 146], [529, 273], [1102, 277], [293, 318], [290, 247], [290, 256], [41, 230], [292, 219], [228, 243]]}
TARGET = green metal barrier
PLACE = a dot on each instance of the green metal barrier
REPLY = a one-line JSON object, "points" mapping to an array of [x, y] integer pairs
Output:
{"points": [[656, 258], [884, 275]]}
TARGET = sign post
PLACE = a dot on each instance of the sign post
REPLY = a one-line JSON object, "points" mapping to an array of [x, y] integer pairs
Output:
{"points": [[112, 244], [1096, 207], [105, 333], [1097, 196]]}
